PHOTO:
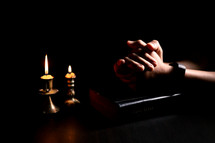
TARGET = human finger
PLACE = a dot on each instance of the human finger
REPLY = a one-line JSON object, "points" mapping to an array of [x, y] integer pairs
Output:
{"points": [[120, 62], [154, 45], [121, 69], [148, 61], [118, 65], [133, 65], [138, 46]]}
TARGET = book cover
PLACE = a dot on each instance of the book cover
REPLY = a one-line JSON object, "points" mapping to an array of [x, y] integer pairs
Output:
{"points": [[131, 107]]}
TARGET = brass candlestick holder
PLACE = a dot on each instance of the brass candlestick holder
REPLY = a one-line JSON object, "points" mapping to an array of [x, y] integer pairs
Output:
{"points": [[70, 79], [47, 91], [48, 107], [71, 100]]}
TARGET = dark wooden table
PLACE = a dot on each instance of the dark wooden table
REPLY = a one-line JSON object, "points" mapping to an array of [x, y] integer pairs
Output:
{"points": [[83, 124]]}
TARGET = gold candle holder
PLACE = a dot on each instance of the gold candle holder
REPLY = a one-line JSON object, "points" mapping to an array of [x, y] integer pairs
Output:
{"points": [[48, 107], [70, 79], [47, 91], [47, 83]]}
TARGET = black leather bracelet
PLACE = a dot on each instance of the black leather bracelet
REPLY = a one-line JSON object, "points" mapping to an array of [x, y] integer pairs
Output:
{"points": [[178, 70]]}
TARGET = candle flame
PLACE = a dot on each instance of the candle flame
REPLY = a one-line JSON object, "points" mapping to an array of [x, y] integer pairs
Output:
{"points": [[46, 65], [69, 69]]}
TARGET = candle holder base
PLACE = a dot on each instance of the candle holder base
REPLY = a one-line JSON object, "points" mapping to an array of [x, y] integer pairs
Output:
{"points": [[48, 107], [72, 101]]}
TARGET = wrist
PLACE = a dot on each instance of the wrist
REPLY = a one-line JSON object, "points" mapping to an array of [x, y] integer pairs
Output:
{"points": [[178, 70], [168, 69], [174, 76]]}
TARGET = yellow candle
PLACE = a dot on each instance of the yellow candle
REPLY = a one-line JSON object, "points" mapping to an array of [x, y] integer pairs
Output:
{"points": [[70, 74]]}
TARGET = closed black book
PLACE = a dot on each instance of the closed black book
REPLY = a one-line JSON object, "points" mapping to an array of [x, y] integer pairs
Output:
{"points": [[113, 105]]}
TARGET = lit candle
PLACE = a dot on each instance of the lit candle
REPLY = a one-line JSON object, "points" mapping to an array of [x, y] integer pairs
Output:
{"points": [[70, 74], [47, 78]]}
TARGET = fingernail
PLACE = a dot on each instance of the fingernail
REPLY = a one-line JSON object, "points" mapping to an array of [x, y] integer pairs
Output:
{"points": [[142, 68]]}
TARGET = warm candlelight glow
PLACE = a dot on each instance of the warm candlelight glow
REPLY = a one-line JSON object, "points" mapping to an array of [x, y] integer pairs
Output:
{"points": [[46, 65], [69, 69], [70, 74], [47, 76]]}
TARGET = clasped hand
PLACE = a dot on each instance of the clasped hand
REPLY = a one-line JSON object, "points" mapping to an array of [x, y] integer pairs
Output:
{"points": [[145, 59]]}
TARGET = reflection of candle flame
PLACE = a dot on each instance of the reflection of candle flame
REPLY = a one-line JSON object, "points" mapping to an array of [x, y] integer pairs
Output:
{"points": [[46, 65], [52, 105], [69, 69]]}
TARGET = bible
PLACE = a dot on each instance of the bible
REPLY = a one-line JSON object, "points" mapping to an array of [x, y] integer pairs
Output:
{"points": [[118, 102]]}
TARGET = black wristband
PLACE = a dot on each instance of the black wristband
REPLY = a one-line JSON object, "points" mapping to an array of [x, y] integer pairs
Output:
{"points": [[178, 70]]}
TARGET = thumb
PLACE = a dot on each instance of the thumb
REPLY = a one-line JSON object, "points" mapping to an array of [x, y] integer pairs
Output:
{"points": [[154, 45], [118, 65], [136, 44]]}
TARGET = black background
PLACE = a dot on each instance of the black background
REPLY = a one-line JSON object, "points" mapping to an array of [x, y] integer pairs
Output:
{"points": [[91, 39]]}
